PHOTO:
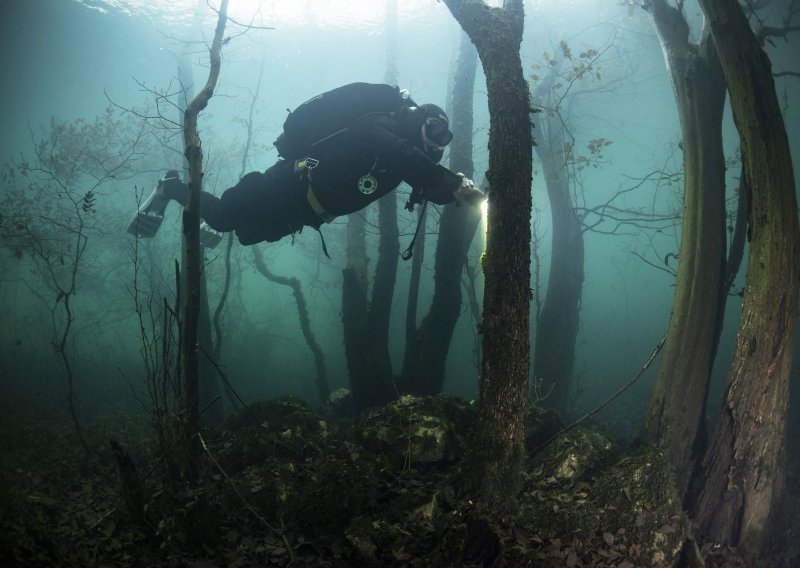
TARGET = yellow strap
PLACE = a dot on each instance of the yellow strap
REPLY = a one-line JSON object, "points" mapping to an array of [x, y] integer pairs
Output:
{"points": [[317, 206]]}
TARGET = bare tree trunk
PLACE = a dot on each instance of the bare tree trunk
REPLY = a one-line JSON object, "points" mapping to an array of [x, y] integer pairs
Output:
{"points": [[366, 361], [744, 466], [219, 330], [354, 302], [677, 405], [558, 320], [305, 324], [412, 345], [193, 267], [366, 319], [383, 283], [213, 411], [211, 406], [497, 458], [428, 345]]}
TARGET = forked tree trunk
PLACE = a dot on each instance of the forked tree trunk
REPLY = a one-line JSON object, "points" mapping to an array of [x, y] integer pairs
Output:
{"points": [[496, 459], [428, 345], [744, 466], [677, 405], [191, 230], [212, 409], [365, 318]]}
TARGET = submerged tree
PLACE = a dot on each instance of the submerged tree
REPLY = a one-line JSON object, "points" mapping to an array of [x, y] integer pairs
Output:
{"points": [[49, 216], [191, 230], [323, 389], [428, 344], [365, 316], [209, 399], [558, 320], [678, 402], [561, 80], [744, 465], [496, 460]]}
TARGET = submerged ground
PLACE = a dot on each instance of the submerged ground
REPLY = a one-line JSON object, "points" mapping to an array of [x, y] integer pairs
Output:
{"points": [[283, 485]]}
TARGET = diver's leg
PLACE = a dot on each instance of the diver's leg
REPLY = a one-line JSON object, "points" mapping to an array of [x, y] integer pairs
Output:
{"points": [[151, 214], [267, 206], [210, 207], [257, 202], [148, 218], [261, 207], [246, 208]]}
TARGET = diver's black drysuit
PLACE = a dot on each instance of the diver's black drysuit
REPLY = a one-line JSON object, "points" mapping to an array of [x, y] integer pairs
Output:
{"points": [[354, 168]]}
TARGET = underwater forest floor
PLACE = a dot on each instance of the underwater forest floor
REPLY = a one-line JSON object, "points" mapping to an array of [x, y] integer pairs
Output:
{"points": [[281, 485]]}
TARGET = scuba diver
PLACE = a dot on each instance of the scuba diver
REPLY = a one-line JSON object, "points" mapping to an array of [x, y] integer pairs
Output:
{"points": [[328, 174]]}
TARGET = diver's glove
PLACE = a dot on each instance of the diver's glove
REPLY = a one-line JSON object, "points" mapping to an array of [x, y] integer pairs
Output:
{"points": [[468, 193]]}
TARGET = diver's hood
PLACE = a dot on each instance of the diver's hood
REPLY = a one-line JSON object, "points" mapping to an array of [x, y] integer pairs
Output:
{"points": [[411, 120]]}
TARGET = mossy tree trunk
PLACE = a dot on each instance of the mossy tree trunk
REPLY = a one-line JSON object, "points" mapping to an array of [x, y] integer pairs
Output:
{"points": [[677, 404], [193, 264], [428, 344], [559, 318], [496, 459], [744, 465]]}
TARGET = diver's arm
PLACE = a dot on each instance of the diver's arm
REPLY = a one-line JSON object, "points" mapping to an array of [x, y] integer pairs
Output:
{"points": [[407, 161]]}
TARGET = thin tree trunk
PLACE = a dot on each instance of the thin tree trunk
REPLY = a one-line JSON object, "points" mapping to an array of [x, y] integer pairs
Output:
{"points": [[383, 283], [370, 381], [210, 403], [323, 389], [558, 320], [427, 347], [412, 345], [193, 267], [219, 329], [385, 278], [744, 466], [497, 457], [677, 405], [366, 319], [208, 388]]}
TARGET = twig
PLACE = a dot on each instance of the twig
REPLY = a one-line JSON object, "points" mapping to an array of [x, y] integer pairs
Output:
{"points": [[608, 401], [247, 505], [210, 402], [223, 376], [101, 519], [667, 270]]}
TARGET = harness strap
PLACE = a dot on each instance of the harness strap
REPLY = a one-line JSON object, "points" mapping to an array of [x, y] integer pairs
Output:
{"points": [[409, 252], [317, 207], [324, 246]]}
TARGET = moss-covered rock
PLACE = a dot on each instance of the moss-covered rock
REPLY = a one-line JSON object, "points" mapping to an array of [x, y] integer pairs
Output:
{"points": [[414, 431], [574, 455], [626, 513], [285, 427], [386, 489], [339, 404], [332, 492], [641, 509]]}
